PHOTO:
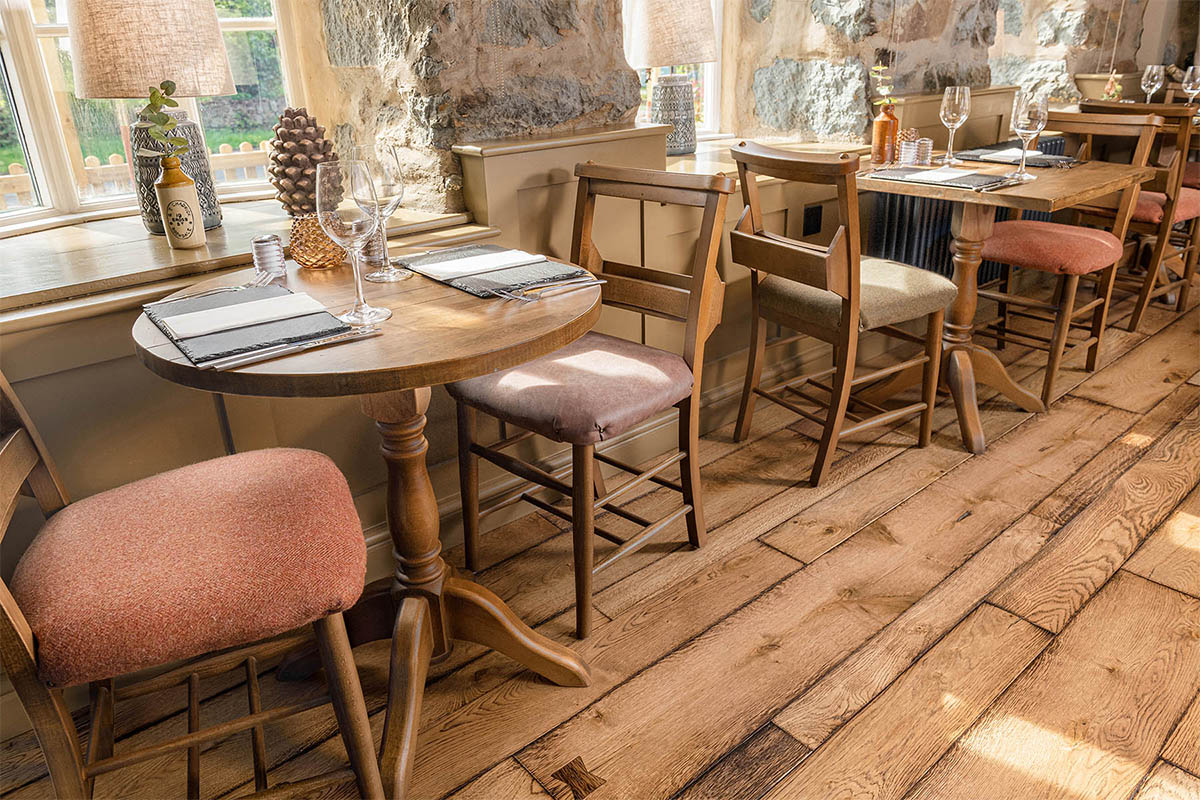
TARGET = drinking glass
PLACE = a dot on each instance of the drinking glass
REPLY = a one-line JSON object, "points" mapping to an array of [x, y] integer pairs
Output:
{"points": [[1191, 84], [1028, 120], [956, 107], [349, 214], [383, 165], [1152, 80]]}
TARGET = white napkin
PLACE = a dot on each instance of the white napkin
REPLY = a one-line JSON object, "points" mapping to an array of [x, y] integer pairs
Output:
{"points": [[474, 265], [198, 323], [940, 175]]}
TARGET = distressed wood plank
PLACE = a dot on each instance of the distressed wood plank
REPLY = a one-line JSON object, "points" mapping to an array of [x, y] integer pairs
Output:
{"points": [[508, 780], [1171, 555], [1049, 589], [844, 690], [1089, 717], [1082, 488], [1150, 371], [747, 770], [886, 748], [1168, 782], [1183, 748]]}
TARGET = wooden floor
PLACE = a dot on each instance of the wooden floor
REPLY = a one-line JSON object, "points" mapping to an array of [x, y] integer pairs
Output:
{"points": [[927, 624]]}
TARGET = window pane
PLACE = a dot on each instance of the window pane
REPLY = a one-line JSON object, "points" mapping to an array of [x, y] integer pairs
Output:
{"points": [[227, 9], [237, 127], [97, 131], [17, 188]]}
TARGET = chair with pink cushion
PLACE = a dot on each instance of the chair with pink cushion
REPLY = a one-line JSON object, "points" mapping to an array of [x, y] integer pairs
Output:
{"points": [[1166, 220], [1070, 253], [599, 386], [198, 565]]}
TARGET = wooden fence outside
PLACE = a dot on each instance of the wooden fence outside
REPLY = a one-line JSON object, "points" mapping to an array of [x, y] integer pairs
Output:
{"points": [[247, 163]]}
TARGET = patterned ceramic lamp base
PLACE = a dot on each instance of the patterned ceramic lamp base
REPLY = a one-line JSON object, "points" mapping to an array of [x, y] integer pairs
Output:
{"points": [[673, 103], [195, 165]]}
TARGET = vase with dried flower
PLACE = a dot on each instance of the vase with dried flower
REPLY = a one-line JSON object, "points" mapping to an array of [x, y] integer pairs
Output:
{"points": [[885, 126], [178, 202]]}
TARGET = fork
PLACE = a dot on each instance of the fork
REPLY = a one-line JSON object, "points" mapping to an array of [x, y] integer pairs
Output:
{"points": [[259, 280]]}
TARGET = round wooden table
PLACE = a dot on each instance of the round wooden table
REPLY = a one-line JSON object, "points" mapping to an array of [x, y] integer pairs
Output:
{"points": [[436, 335]]}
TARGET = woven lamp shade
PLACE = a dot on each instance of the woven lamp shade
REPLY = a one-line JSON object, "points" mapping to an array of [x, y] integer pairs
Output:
{"points": [[120, 48], [670, 32]]}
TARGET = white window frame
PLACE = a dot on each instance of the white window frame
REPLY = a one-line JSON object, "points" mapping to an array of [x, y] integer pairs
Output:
{"points": [[49, 159]]}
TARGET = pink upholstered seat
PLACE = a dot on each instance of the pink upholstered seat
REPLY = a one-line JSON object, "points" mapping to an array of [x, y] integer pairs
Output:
{"points": [[1152, 205], [591, 390], [208, 556], [1052, 247], [1191, 174]]}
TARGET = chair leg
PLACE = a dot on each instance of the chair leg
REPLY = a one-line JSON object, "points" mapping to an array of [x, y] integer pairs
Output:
{"points": [[1189, 265], [1151, 279], [844, 356], [1062, 326], [1006, 282], [758, 345], [345, 691], [598, 480], [1100, 315], [468, 484], [583, 519], [689, 469], [933, 369]]}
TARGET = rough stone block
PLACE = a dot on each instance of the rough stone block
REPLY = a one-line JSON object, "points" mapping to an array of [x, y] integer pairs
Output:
{"points": [[818, 99]]}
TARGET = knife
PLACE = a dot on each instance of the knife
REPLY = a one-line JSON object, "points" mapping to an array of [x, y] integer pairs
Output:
{"points": [[267, 353], [991, 187]]}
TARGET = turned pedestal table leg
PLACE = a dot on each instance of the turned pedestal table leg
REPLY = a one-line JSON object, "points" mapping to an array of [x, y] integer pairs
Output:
{"points": [[434, 606]]}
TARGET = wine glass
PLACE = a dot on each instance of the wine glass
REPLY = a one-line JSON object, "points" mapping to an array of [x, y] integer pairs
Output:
{"points": [[383, 165], [349, 214], [1191, 84], [956, 107], [1152, 80], [1028, 120]]}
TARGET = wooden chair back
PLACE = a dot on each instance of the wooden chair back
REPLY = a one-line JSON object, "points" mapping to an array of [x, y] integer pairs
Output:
{"points": [[834, 268], [1175, 134], [27, 469], [694, 299]]}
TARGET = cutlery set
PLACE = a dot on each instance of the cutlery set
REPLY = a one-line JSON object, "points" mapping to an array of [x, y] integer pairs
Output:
{"points": [[532, 293]]}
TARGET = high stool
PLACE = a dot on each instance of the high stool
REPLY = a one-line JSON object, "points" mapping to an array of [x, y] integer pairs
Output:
{"points": [[833, 294], [1069, 252], [600, 386], [199, 560]]}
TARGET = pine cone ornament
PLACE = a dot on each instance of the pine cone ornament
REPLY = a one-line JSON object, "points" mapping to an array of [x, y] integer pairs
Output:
{"points": [[298, 147]]}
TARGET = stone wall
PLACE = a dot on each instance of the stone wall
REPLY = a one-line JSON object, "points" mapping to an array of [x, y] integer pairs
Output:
{"points": [[428, 74]]}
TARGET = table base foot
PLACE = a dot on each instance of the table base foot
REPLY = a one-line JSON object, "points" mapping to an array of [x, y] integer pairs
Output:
{"points": [[412, 649]]}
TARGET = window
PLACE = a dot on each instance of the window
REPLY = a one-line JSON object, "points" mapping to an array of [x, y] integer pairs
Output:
{"points": [[84, 143], [706, 78], [18, 191]]}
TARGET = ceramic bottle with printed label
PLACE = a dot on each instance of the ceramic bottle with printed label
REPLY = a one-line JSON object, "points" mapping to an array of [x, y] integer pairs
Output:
{"points": [[180, 206]]}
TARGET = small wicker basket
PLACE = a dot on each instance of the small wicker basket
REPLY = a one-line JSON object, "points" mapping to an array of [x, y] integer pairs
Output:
{"points": [[310, 247]]}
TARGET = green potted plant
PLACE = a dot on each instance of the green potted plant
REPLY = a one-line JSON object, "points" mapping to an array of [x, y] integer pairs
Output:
{"points": [[176, 192]]}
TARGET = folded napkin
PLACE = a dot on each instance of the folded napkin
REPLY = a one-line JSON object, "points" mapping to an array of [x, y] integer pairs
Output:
{"points": [[940, 175], [199, 323], [945, 176], [447, 267]]}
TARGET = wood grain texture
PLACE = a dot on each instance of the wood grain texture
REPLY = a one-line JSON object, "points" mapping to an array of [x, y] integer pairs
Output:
{"points": [[505, 781], [843, 691], [1171, 555], [1151, 371], [885, 749], [757, 763], [1183, 748], [437, 334], [1049, 589], [1088, 718], [1095, 477], [1168, 782]]}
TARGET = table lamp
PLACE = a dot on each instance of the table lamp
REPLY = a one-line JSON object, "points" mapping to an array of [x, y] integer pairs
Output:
{"points": [[666, 33], [120, 48]]}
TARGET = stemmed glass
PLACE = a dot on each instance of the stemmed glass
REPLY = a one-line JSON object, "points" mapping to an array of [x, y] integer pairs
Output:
{"points": [[1191, 84], [1028, 120], [956, 107], [383, 165], [1152, 80], [349, 214]]}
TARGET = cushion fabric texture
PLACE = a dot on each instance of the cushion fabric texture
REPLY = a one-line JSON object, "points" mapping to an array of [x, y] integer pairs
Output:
{"points": [[891, 292], [208, 556], [1191, 174], [1052, 247], [1152, 205], [593, 389]]}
